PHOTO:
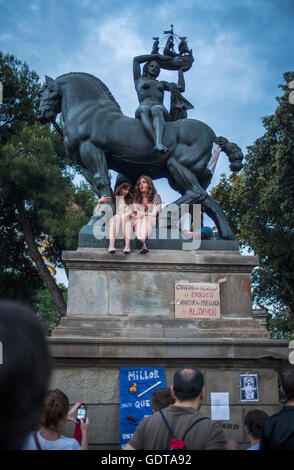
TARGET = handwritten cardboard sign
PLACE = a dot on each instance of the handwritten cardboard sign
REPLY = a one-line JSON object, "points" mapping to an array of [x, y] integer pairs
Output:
{"points": [[197, 300], [136, 387]]}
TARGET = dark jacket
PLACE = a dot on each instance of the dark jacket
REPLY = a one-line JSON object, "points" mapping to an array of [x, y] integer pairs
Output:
{"points": [[278, 432]]}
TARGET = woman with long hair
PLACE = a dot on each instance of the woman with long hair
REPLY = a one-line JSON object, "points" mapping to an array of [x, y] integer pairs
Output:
{"points": [[122, 199], [147, 204], [56, 413]]}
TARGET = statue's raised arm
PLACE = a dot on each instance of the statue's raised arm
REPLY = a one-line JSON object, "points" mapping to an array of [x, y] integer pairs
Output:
{"points": [[161, 59]]}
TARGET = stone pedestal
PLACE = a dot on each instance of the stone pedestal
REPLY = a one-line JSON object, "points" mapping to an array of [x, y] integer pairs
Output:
{"points": [[121, 313], [132, 296]]}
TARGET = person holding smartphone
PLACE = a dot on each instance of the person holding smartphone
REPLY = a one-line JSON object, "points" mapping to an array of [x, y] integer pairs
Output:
{"points": [[56, 413]]}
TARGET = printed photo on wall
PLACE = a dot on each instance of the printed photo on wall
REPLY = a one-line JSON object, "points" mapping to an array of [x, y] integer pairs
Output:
{"points": [[249, 387]]}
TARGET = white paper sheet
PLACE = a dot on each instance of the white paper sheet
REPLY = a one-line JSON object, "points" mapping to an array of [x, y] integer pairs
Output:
{"points": [[220, 409]]}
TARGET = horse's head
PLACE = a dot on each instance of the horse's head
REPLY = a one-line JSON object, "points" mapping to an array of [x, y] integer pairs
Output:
{"points": [[50, 101], [234, 153]]}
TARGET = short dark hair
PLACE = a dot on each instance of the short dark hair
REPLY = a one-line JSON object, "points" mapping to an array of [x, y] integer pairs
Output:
{"points": [[161, 398], [254, 420], [287, 381], [188, 383], [24, 374]]}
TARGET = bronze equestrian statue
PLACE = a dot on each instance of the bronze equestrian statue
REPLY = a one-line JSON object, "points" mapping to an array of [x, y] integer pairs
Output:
{"points": [[99, 137]]}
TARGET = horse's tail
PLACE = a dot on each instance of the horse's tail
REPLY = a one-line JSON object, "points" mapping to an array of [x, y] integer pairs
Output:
{"points": [[233, 151]]}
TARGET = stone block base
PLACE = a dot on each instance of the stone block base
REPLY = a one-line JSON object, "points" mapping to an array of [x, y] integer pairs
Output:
{"points": [[158, 327], [133, 296]]}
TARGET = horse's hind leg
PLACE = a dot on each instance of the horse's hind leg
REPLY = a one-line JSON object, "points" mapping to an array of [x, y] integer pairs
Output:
{"points": [[213, 210], [192, 193], [186, 183], [89, 177]]}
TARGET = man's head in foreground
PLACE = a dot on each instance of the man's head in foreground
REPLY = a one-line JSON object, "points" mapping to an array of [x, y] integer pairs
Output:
{"points": [[24, 373]]}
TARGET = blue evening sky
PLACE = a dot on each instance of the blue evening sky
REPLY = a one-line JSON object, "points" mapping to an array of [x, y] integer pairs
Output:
{"points": [[241, 49]]}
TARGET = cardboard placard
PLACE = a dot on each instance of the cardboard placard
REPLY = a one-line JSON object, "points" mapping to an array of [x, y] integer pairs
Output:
{"points": [[197, 300], [136, 387]]}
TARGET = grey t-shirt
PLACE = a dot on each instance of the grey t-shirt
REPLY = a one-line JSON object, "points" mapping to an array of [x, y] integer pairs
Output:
{"points": [[63, 443], [157, 199], [152, 434]]}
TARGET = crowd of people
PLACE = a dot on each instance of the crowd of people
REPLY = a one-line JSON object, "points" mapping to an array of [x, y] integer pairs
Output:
{"points": [[182, 420], [33, 417], [136, 209]]}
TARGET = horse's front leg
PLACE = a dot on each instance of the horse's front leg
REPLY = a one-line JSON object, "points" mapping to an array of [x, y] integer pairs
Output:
{"points": [[95, 162], [89, 177]]}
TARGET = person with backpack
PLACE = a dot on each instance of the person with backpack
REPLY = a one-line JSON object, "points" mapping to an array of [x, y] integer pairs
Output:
{"points": [[180, 426]]}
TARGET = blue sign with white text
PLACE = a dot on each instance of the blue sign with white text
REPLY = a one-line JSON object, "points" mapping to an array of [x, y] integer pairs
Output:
{"points": [[136, 386]]}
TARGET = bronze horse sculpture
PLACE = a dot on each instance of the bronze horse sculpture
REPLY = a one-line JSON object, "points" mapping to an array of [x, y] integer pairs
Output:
{"points": [[99, 137]]}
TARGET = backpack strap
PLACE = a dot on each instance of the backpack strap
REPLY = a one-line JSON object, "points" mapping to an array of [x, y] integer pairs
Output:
{"points": [[192, 425], [37, 442], [166, 423], [187, 430]]}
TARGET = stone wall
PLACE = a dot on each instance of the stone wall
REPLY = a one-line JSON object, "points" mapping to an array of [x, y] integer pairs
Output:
{"points": [[96, 382]]}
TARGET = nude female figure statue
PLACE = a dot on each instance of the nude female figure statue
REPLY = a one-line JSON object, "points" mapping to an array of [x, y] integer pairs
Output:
{"points": [[150, 91]]}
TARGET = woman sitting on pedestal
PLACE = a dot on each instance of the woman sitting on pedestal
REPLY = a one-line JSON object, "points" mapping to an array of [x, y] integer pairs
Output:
{"points": [[122, 199], [146, 207]]}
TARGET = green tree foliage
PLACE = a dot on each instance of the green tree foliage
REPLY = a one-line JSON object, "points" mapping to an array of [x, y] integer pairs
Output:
{"points": [[38, 197], [19, 278], [259, 204], [45, 307], [20, 96], [41, 199]]}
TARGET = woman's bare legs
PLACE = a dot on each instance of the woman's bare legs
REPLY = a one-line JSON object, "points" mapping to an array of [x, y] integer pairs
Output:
{"points": [[114, 225], [127, 230], [143, 229]]}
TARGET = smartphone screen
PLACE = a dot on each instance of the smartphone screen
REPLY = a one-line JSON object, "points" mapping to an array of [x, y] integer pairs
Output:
{"points": [[81, 413]]}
